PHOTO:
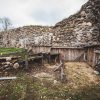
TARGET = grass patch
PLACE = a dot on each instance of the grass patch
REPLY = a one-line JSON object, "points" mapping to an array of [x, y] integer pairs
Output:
{"points": [[4, 51], [13, 52], [81, 85], [25, 89]]}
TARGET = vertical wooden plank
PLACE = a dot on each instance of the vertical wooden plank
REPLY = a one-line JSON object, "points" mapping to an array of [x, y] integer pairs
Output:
{"points": [[94, 59], [84, 56], [26, 61]]}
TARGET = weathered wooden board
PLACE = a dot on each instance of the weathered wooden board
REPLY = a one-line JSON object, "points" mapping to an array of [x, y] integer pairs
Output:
{"points": [[41, 49], [93, 54], [69, 54]]}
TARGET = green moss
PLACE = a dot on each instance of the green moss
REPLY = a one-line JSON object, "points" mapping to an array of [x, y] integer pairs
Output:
{"points": [[4, 51]]}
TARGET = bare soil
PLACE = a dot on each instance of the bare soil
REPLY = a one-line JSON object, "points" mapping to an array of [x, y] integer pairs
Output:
{"points": [[41, 84]]}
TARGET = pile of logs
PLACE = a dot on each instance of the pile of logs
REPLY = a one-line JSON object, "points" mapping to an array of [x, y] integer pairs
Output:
{"points": [[8, 63]]}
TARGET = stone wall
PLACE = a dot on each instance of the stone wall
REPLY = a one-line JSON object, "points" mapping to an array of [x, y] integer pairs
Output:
{"points": [[27, 36], [78, 30]]}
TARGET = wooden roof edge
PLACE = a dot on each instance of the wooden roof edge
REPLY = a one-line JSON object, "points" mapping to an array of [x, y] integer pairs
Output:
{"points": [[66, 47], [60, 47], [89, 46], [42, 46]]}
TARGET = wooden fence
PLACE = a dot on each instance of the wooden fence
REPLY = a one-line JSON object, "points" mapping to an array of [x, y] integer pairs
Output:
{"points": [[87, 53], [91, 54], [70, 54]]}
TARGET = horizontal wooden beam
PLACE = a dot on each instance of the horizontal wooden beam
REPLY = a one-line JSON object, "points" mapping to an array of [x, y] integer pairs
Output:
{"points": [[7, 78]]}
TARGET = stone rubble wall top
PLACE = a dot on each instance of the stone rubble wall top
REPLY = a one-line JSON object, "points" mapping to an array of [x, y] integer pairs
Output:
{"points": [[80, 29]]}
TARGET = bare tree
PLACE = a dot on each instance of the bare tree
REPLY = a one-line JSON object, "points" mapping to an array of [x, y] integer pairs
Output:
{"points": [[5, 23]]}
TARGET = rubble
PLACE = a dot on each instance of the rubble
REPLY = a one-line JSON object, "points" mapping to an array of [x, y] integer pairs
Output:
{"points": [[28, 35], [83, 27], [16, 66], [8, 58]]}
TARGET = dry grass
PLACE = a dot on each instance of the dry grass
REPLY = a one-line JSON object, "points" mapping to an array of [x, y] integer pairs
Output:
{"points": [[80, 74], [82, 84]]}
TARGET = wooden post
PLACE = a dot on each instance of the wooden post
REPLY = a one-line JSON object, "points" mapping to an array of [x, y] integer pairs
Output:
{"points": [[42, 60], [63, 76], [55, 60], [94, 59], [85, 56], [26, 62], [61, 73], [49, 58]]}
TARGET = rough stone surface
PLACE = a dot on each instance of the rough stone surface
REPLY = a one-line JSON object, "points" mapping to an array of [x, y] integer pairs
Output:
{"points": [[78, 30], [27, 35], [83, 28]]}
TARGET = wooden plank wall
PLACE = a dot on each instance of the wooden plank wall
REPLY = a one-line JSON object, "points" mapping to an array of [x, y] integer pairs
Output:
{"points": [[90, 56], [69, 54], [97, 58], [39, 49]]}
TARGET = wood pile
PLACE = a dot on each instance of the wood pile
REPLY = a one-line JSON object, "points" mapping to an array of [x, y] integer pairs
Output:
{"points": [[8, 63]]}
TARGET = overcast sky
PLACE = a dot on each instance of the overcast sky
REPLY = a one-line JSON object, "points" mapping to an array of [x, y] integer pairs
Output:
{"points": [[38, 12]]}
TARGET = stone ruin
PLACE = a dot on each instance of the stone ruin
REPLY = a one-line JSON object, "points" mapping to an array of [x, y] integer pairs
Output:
{"points": [[80, 29], [22, 37], [83, 28]]}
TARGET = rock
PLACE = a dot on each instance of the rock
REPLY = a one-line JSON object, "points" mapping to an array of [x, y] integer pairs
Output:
{"points": [[16, 66], [55, 82], [8, 63], [83, 13], [89, 24], [96, 72], [8, 58]]}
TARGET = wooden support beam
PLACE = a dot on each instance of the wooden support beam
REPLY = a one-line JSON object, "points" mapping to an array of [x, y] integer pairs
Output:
{"points": [[26, 62], [94, 59], [7, 78]]}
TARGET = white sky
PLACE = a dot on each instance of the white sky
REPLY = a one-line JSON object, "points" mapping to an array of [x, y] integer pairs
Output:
{"points": [[38, 12]]}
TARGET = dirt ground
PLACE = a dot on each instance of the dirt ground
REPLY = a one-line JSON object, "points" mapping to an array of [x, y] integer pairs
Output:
{"points": [[78, 73], [41, 84], [80, 77]]}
